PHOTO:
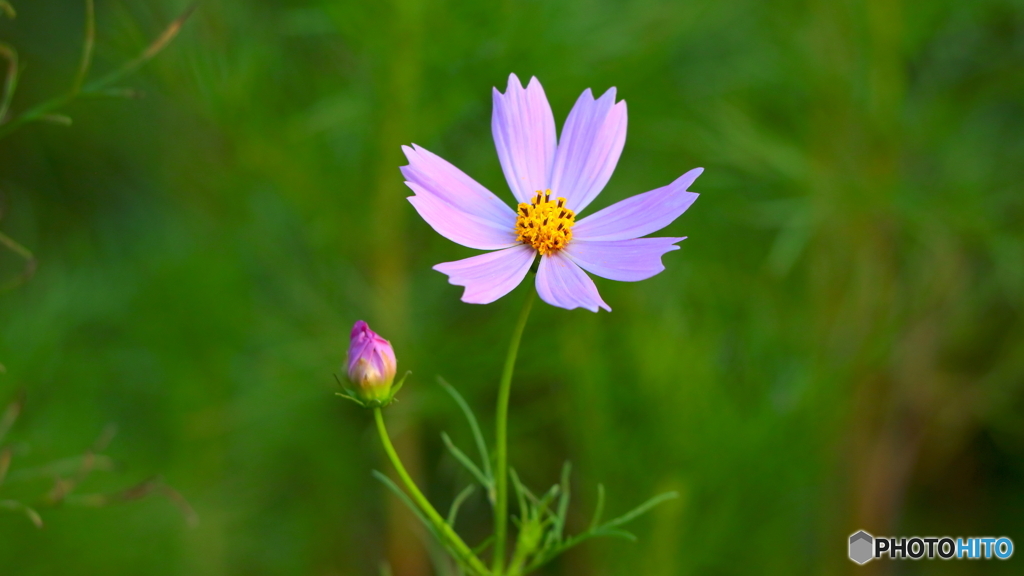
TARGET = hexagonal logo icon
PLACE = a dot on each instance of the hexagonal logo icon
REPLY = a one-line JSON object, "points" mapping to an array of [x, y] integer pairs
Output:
{"points": [[861, 545]]}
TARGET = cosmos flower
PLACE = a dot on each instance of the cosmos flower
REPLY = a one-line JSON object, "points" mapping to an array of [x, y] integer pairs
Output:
{"points": [[370, 364], [552, 183]]}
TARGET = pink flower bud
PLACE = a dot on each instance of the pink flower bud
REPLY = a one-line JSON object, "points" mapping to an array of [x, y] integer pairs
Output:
{"points": [[371, 364]]}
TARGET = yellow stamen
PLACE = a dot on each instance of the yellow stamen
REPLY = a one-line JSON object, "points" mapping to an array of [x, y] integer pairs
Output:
{"points": [[544, 223]]}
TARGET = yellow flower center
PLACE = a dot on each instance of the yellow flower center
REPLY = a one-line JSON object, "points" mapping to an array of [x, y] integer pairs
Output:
{"points": [[544, 223]]}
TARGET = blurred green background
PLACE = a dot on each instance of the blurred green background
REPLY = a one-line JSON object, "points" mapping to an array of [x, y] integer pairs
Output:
{"points": [[839, 345]]}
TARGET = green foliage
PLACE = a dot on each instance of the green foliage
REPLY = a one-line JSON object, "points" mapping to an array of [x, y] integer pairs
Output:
{"points": [[540, 524], [483, 472], [838, 345]]}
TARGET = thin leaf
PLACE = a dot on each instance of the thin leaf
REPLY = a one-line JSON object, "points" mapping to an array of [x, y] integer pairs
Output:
{"points": [[440, 560], [467, 462], [540, 505], [58, 119], [16, 506], [521, 492], [11, 415], [408, 502], [436, 559], [7, 9], [151, 486], [127, 93], [628, 516], [5, 463], [353, 399], [10, 80], [599, 509], [29, 268], [62, 467], [481, 547], [154, 48], [398, 386], [607, 529], [33, 516], [563, 502], [104, 439], [453, 512], [615, 534], [191, 517], [87, 463], [87, 45], [544, 504], [478, 436]]}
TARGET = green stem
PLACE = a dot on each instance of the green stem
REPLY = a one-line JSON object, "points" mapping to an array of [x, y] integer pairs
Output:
{"points": [[453, 540], [87, 45], [501, 438]]}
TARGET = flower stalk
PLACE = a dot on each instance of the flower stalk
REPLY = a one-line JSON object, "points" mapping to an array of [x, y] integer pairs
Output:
{"points": [[451, 539], [501, 438], [552, 179]]}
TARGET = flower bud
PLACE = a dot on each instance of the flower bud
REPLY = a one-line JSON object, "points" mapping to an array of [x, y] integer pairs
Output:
{"points": [[371, 365]]}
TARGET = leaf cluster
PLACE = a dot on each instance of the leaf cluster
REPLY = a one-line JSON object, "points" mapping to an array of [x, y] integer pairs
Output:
{"points": [[541, 520]]}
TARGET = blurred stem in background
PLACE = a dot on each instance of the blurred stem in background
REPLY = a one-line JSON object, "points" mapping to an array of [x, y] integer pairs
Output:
{"points": [[397, 95], [865, 302], [104, 86], [68, 474], [46, 111], [27, 271], [501, 436]]}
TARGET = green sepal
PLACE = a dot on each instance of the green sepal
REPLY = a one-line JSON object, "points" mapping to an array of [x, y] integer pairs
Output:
{"points": [[354, 397]]}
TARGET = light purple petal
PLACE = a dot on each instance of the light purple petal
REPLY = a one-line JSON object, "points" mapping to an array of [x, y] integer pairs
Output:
{"points": [[357, 351], [524, 134], [490, 276], [560, 282], [466, 228], [640, 215], [623, 260], [588, 148], [435, 175]]}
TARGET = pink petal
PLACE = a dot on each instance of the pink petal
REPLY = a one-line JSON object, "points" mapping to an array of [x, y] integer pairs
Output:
{"points": [[640, 215], [490, 276], [623, 260], [560, 282], [589, 148], [466, 228], [435, 175], [524, 134]]}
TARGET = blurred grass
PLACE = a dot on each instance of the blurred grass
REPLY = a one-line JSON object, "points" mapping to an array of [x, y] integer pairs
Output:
{"points": [[838, 345]]}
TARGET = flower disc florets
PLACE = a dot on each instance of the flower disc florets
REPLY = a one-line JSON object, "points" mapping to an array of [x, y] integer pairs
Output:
{"points": [[548, 173], [544, 223]]}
